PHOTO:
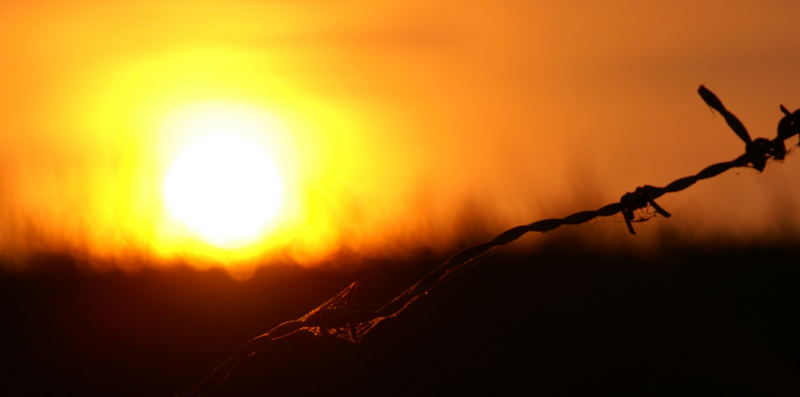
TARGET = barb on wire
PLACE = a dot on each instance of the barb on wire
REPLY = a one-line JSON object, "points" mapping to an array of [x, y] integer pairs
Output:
{"points": [[335, 317]]}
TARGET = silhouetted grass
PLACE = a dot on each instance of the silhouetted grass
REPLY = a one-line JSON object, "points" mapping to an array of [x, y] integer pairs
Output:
{"points": [[563, 319]]}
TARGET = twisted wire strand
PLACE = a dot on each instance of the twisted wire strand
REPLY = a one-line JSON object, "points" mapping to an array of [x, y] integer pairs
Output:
{"points": [[334, 317]]}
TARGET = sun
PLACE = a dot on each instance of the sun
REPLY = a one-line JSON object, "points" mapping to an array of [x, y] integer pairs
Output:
{"points": [[223, 185]]}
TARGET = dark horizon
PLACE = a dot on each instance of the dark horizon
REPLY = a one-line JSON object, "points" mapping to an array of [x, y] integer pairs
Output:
{"points": [[161, 331]]}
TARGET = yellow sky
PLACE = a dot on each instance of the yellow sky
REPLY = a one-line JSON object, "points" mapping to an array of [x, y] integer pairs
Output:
{"points": [[398, 117]]}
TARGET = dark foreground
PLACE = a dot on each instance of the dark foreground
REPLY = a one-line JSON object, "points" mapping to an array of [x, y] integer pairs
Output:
{"points": [[561, 321]]}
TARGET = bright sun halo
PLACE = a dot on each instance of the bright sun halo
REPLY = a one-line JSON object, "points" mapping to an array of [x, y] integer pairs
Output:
{"points": [[223, 185]]}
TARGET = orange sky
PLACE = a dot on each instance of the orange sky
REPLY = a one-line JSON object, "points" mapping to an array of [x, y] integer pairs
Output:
{"points": [[399, 117]]}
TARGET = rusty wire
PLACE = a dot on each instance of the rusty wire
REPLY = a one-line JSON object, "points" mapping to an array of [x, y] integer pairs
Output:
{"points": [[335, 317]]}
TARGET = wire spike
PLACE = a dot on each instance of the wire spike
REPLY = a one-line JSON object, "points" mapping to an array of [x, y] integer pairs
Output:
{"points": [[659, 209], [712, 100]]}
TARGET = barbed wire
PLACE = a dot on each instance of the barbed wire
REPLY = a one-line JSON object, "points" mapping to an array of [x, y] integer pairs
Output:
{"points": [[336, 318]]}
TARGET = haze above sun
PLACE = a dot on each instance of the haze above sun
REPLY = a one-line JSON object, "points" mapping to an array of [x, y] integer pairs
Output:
{"points": [[223, 185]]}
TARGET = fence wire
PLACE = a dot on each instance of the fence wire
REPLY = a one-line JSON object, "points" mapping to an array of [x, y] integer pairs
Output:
{"points": [[336, 318]]}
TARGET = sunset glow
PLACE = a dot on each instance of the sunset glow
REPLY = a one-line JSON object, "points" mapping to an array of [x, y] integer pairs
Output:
{"points": [[365, 126]]}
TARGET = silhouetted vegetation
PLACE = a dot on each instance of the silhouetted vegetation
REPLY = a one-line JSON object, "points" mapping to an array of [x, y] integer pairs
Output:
{"points": [[565, 319]]}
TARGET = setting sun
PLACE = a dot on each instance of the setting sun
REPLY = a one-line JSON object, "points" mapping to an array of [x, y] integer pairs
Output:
{"points": [[223, 186]]}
